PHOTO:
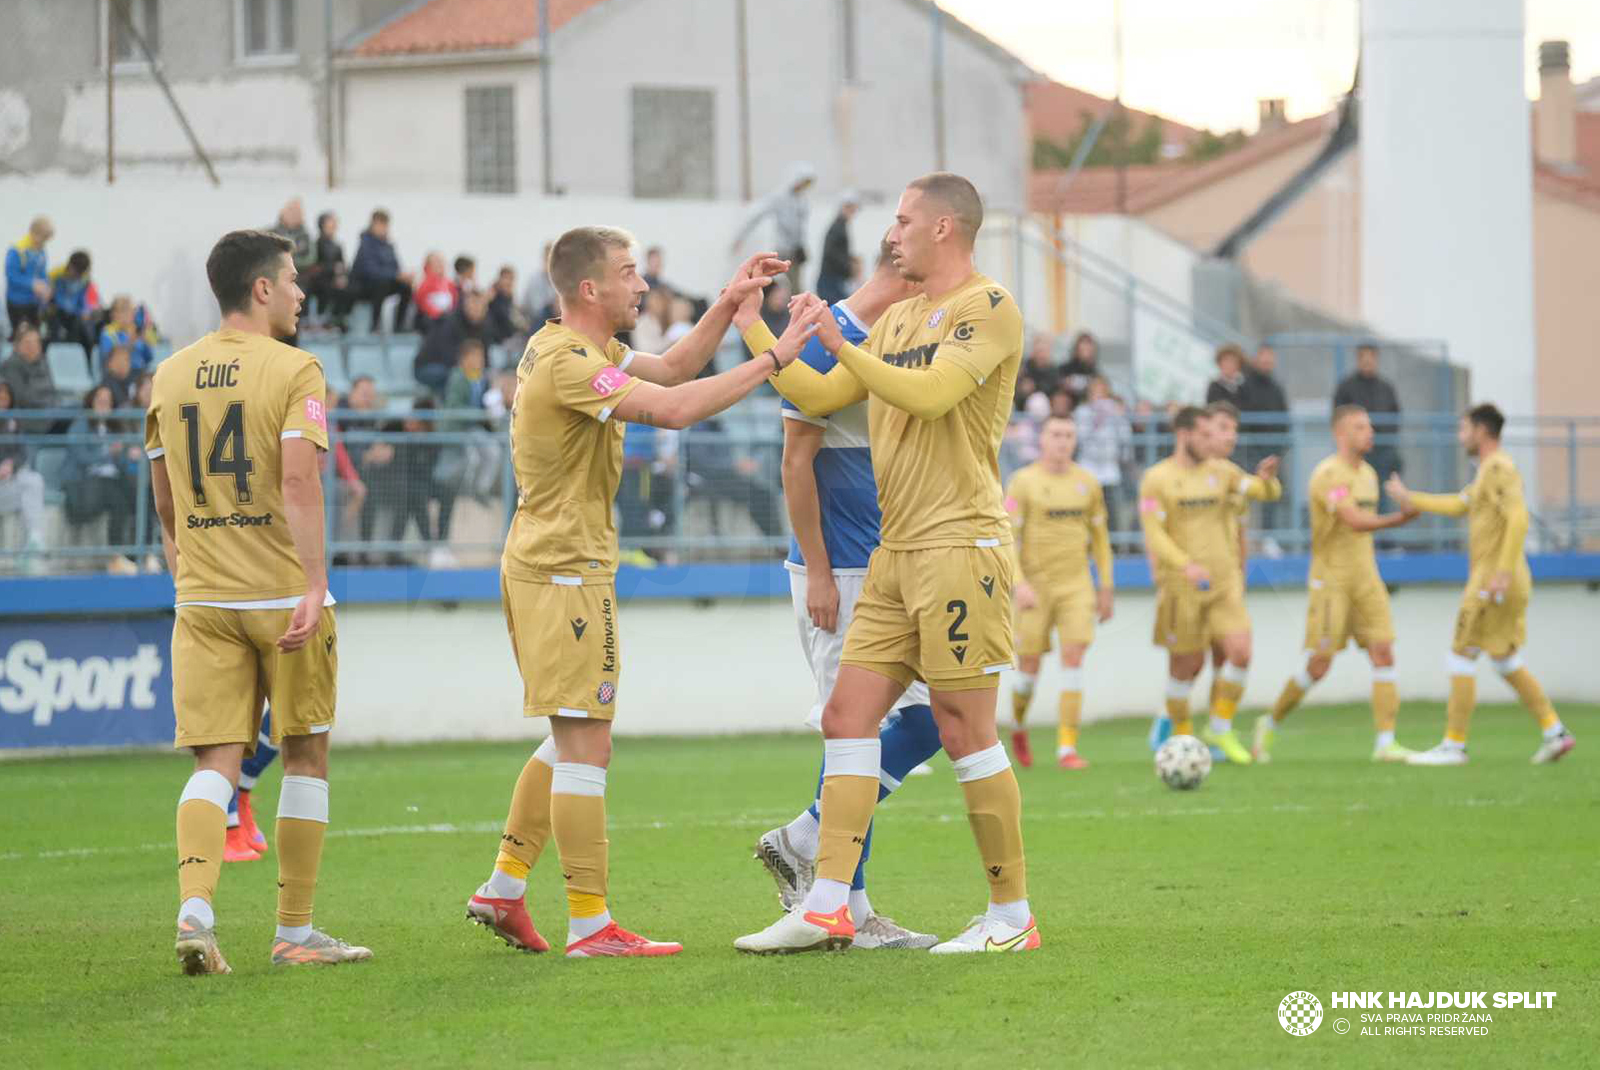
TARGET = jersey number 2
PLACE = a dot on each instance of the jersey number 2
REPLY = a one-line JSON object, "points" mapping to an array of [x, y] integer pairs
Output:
{"points": [[227, 456]]}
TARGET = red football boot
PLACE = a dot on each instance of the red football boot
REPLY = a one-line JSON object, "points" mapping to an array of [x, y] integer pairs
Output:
{"points": [[1071, 760], [616, 942], [1020, 749], [237, 849], [247, 822], [508, 919]]}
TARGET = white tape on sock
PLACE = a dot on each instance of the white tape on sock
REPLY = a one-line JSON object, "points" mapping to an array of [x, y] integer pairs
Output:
{"points": [[1509, 664], [852, 757], [1179, 689], [1384, 674], [1457, 665], [982, 764], [547, 752], [208, 785], [1072, 679], [1235, 674], [304, 797], [1025, 683], [575, 778]]}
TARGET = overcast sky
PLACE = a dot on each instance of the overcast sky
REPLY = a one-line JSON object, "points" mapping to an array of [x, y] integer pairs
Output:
{"points": [[1207, 64]]}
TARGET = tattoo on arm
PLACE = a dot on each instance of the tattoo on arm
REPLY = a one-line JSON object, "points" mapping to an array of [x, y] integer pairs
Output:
{"points": [[646, 418]]}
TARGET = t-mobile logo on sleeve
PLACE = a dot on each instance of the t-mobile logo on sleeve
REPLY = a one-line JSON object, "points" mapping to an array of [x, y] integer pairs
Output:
{"points": [[608, 381]]}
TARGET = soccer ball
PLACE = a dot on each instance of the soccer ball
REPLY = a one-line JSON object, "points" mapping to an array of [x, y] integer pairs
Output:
{"points": [[1182, 763]]}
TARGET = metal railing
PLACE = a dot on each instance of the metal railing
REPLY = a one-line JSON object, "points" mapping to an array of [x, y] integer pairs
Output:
{"points": [[435, 489]]}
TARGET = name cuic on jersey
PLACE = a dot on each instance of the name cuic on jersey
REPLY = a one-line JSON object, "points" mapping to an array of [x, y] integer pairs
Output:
{"points": [[232, 520], [208, 375]]}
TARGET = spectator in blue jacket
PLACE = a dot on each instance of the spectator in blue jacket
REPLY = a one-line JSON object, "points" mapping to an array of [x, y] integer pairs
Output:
{"points": [[101, 474], [27, 280], [124, 329], [72, 302], [375, 273]]}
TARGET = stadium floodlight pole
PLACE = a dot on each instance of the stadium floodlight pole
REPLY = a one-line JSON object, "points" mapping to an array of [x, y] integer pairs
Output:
{"points": [[544, 98], [111, 111], [938, 86], [741, 46]]}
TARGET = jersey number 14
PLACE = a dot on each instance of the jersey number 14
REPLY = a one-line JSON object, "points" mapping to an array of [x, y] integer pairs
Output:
{"points": [[227, 456]]}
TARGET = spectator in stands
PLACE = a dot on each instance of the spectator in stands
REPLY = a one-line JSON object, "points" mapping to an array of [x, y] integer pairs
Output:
{"points": [[21, 488], [506, 321], [714, 474], [27, 279], [1377, 395], [124, 330], [1039, 374], [410, 484], [539, 299], [119, 377], [26, 371], [789, 208], [775, 306], [441, 348], [375, 274], [1266, 406], [101, 475], [501, 393], [833, 273], [466, 275], [645, 497], [329, 280], [650, 333], [1151, 428], [480, 455], [144, 386], [436, 296], [73, 301], [1229, 385], [653, 261], [682, 320], [349, 491], [292, 225], [374, 461], [1082, 366], [1104, 438]]}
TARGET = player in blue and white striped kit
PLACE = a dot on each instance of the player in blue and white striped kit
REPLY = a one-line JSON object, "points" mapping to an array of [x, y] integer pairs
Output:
{"points": [[833, 508]]}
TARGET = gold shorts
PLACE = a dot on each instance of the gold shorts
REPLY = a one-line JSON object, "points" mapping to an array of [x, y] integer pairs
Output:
{"points": [[564, 638], [1189, 621], [1496, 628], [942, 615], [1338, 612], [226, 663], [1069, 613]]}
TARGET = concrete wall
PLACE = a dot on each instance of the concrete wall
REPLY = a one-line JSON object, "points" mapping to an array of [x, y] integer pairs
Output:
{"points": [[735, 666], [1567, 241]]}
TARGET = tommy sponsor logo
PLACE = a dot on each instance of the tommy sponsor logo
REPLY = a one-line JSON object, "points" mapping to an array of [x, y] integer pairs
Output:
{"points": [[608, 381], [578, 626], [608, 619], [32, 682], [915, 357], [1062, 514], [1197, 503], [232, 520]]}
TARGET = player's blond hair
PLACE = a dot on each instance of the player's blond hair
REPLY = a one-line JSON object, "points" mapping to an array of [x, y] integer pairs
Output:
{"points": [[957, 196], [580, 254]]}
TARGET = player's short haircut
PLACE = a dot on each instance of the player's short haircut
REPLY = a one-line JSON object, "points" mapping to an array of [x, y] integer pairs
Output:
{"points": [[1487, 416], [1187, 418], [1230, 350], [238, 259], [464, 264], [1224, 408], [1341, 412], [581, 253], [380, 216], [957, 196], [1061, 418]]}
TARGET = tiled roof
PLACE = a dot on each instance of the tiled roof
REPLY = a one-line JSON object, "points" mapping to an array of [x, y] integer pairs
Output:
{"points": [[466, 26], [1056, 111]]}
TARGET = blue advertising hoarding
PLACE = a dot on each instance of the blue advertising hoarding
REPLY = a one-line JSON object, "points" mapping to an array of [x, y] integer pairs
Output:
{"points": [[85, 683]]}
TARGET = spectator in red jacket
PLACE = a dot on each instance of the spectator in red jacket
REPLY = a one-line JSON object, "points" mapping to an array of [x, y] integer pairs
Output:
{"points": [[437, 296]]}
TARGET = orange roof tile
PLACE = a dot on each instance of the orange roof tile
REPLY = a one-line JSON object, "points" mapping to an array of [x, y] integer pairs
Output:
{"points": [[466, 26], [1056, 111]]}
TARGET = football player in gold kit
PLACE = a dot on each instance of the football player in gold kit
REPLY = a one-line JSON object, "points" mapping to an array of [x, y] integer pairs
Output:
{"points": [[1188, 515], [1346, 598], [1494, 607], [1058, 519], [938, 371], [577, 384], [234, 432]]}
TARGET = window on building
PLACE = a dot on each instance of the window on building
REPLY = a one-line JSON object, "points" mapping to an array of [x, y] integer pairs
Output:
{"points": [[266, 27], [674, 143], [491, 139], [146, 18]]}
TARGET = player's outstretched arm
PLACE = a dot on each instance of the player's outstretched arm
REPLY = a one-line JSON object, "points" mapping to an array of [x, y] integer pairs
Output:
{"points": [[678, 407], [812, 392], [691, 353], [1437, 504], [1264, 485], [302, 505], [1361, 520]]}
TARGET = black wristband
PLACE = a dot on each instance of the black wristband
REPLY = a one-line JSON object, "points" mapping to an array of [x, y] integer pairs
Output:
{"points": [[776, 367]]}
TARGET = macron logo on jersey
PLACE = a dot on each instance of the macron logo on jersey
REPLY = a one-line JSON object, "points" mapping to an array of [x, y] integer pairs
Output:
{"points": [[608, 381]]}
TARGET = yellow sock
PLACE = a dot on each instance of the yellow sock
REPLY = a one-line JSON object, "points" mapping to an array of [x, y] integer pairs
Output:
{"points": [[1071, 712], [1022, 696], [994, 808], [1385, 701], [1458, 711], [1533, 697], [1211, 696], [1178, 711], [302, 824], [1288, 699], [202, 833], [847, 805], [578, 823], [528, 823]]}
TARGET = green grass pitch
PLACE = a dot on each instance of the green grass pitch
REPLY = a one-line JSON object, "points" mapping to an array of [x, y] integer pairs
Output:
{"points": [[1173, 923]]}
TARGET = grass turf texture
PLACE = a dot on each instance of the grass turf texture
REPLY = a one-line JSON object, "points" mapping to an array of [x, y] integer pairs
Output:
{"points": [[1173, 923]]}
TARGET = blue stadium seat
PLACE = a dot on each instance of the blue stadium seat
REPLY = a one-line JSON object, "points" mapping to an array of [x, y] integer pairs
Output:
{"points": [[331, 354], [367, 357], [68, 368]]}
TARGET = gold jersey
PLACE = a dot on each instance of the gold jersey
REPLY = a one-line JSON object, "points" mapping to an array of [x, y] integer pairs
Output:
{"points": [[1059, 519], [1493, 498], [566, 454], [939, 480], [1189, 514], [1339, 553], [218, 415]]}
